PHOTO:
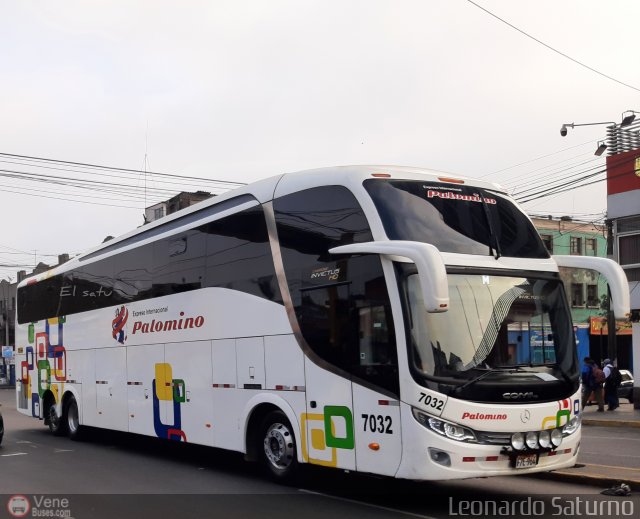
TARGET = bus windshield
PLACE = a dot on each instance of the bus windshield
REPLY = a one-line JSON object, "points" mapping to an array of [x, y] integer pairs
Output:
{"points": [[493, 322], [454, 218]]}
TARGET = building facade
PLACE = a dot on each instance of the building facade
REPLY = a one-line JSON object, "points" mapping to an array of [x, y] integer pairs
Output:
{"points": [[180, 201], [586, 290], [623, 211]]}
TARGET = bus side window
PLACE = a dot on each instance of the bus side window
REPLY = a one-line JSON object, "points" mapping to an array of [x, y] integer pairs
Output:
{"points": [[239, 256], [341, 304], [178, 263], [132, 273]]}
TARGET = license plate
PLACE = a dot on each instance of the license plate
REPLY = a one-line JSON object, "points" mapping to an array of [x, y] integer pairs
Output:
{"points": [[526, 460]]}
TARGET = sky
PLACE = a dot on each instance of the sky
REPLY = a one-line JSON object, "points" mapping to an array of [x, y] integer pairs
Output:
{"points": [[242, 90]]}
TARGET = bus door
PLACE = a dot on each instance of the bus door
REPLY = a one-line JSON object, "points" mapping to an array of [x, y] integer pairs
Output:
{"points": [[376, 406], [328, 425], [353, 415]]}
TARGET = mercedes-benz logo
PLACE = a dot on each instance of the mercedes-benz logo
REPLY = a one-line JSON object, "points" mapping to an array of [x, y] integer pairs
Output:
{"points": [[524, 416]]}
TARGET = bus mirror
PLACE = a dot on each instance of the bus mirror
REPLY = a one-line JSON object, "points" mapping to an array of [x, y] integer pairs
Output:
{"points": [[431, 269], [615, 276]]}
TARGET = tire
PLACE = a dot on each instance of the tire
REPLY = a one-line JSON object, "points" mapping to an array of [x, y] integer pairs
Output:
{"points": [[74, 429], [277, 447], [1, 429], [57, 424]]}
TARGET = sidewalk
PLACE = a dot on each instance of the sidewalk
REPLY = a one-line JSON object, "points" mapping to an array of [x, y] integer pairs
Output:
{"points": [[604, 476], [623, 416]]}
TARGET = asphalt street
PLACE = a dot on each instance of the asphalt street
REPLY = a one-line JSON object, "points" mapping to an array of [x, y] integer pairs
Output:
{"points": [[611, 446], [116, 474]]}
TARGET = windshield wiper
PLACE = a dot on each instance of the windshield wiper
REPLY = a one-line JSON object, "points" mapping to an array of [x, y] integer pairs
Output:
{"points": [[477, 379]]}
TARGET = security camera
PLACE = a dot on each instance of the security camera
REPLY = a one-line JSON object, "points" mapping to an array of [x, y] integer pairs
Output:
{"points": [[563, 130]]}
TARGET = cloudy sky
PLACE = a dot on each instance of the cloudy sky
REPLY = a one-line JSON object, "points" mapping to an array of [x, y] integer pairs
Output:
{"points": [[242, 90]]}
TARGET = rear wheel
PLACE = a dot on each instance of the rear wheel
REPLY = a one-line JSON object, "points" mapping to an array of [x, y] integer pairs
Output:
{"points": [[57, 424], [278, 447], [73, 419]]}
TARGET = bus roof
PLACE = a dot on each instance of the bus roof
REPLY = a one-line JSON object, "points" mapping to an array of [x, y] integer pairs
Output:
{"points": [[273, 187]]}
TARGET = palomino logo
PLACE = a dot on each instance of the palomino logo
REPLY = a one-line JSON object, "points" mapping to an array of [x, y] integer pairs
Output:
{"points": [[483, 416], [118, 330], [168, 325], [529, 395]]}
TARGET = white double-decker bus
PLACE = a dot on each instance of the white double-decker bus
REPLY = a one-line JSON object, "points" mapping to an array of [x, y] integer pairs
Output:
{"points": [[387, 320]]}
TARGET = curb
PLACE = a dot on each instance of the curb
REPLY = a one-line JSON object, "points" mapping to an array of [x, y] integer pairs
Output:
{"points": [[589, 479], [611, 423]]}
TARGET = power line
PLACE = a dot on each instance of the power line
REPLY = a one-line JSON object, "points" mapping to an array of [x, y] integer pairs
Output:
{"points": [[111, 168], [524, 198], [553, 49], [70, 200], [535, 159]]}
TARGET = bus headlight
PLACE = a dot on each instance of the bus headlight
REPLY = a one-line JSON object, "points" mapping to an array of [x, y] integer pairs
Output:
{"points": [[556, 437], [517, 441], [572, 426], [545, 439], [531, 439], [448, 429]]}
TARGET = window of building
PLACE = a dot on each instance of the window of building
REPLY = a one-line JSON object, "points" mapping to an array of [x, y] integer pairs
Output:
{"points": [[576, 245], [158, 213], [592, 296], [591, 245], [577, 294], [547, 239], [629, 255]]}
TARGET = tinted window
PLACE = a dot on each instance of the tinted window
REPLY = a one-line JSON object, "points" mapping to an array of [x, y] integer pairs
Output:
{"points": [[132, 273], [341, 302], [179, 262], [453, 218], [239, 255], [87, 288], [39, 300], [232, 252]]}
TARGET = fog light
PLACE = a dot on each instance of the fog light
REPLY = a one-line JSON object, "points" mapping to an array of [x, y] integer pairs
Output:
{"points": [[532, 440], [556, 437], [545, 439], [440, 457], [517, 441]]}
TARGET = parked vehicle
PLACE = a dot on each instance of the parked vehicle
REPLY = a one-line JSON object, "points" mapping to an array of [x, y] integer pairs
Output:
{"points": [[626, 387]]}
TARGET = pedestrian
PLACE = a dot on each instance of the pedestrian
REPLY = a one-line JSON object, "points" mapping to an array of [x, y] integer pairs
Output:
{"points": [[611, 384], [592, 379]]}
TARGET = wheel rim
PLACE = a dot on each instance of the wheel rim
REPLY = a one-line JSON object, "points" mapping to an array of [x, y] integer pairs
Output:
{"points": [[278, 446], [72, 420]]}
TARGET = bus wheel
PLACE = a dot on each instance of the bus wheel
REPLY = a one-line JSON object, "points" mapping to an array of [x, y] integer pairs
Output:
{"points": [[73, 419], [56, 423], [278, 449]]}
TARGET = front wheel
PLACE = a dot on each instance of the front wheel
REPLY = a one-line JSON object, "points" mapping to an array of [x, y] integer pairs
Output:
{"points": [[278, 446], [73, 419]]}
